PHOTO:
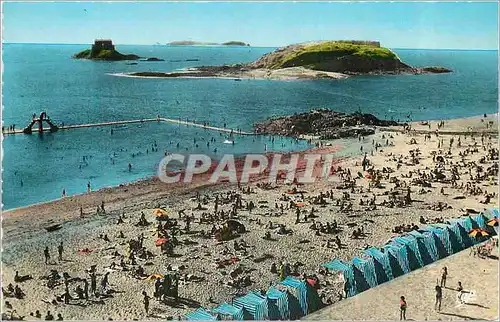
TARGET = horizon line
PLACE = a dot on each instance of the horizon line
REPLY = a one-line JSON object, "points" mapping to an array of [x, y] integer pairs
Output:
{"points": [[121, 44]]}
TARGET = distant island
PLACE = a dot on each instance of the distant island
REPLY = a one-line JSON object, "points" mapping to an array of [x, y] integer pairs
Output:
{"points": [[103, 49], [199, 43], [334, 59]]}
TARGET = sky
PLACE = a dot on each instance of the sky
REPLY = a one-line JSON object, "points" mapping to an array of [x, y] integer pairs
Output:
{"points": [[440, 25]]}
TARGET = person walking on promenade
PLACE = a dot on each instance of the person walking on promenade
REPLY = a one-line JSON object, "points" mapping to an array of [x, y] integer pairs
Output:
{"points": [[402, 308], [439, 298], [461, 292], [444, 274]]}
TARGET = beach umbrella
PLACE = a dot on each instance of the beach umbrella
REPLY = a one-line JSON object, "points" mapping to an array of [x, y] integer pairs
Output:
{"points": [[161, 241], [478, 233], [493, 222], [158, 234], [160, 212], [153, 277]]}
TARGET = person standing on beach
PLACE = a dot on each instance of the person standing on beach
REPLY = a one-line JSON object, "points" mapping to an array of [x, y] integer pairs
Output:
{"points": [[439, 298], [86, 289], [146, 302], [60, 250], [444, 274], [93, 283], [461, 292], [104, 283], [402, 308], [88, 187], [46, 253]]}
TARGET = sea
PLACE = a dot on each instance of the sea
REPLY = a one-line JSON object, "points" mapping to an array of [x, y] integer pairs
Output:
{"points": [[43, 77]]}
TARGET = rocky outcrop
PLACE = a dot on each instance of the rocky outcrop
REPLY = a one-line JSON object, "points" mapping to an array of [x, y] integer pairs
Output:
{"points": [[104, 54], [201, 43], [235, 43], [325, 124], [436, 70]]}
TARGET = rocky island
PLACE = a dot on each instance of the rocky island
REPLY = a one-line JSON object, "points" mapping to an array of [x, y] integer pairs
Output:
{"points": [[200, 43], [103, 49], [317, 60], [323, 124]]}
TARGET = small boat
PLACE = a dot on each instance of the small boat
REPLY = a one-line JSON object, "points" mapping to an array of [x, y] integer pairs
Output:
{"points": [[237, 79], [228, 142], [53, 228]]}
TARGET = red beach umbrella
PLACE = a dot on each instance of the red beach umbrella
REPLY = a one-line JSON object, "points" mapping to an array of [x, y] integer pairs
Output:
{"points": [[161, 241]]}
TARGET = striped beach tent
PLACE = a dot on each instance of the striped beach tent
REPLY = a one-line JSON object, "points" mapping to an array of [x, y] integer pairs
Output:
{"points": [[414, 259], [367, 268], [396, 268], [430, 245], [284, 307], [418, 241], [454, 239], [441, 239], [381, 263], [426, 247], [407, 254], [200, 315], [460, 231], [347, 274], [400, 254], [468, 223], [308, 297], [227, 311], [255, 304], [481, 221], [277, 304]]}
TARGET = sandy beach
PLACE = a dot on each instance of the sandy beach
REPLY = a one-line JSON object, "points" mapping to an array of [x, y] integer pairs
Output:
{"points": [[449, 175]]}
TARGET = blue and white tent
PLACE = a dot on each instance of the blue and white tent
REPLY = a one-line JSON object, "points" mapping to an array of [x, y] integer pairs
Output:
{"points": [[287, 307], [308, 297], [200, 315], [229, 312], [414, 259], [458, 227], [426, 247], [367, 268], [255, 304], [397, 255], [455, 241], [381, 263], [441, 241]]}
